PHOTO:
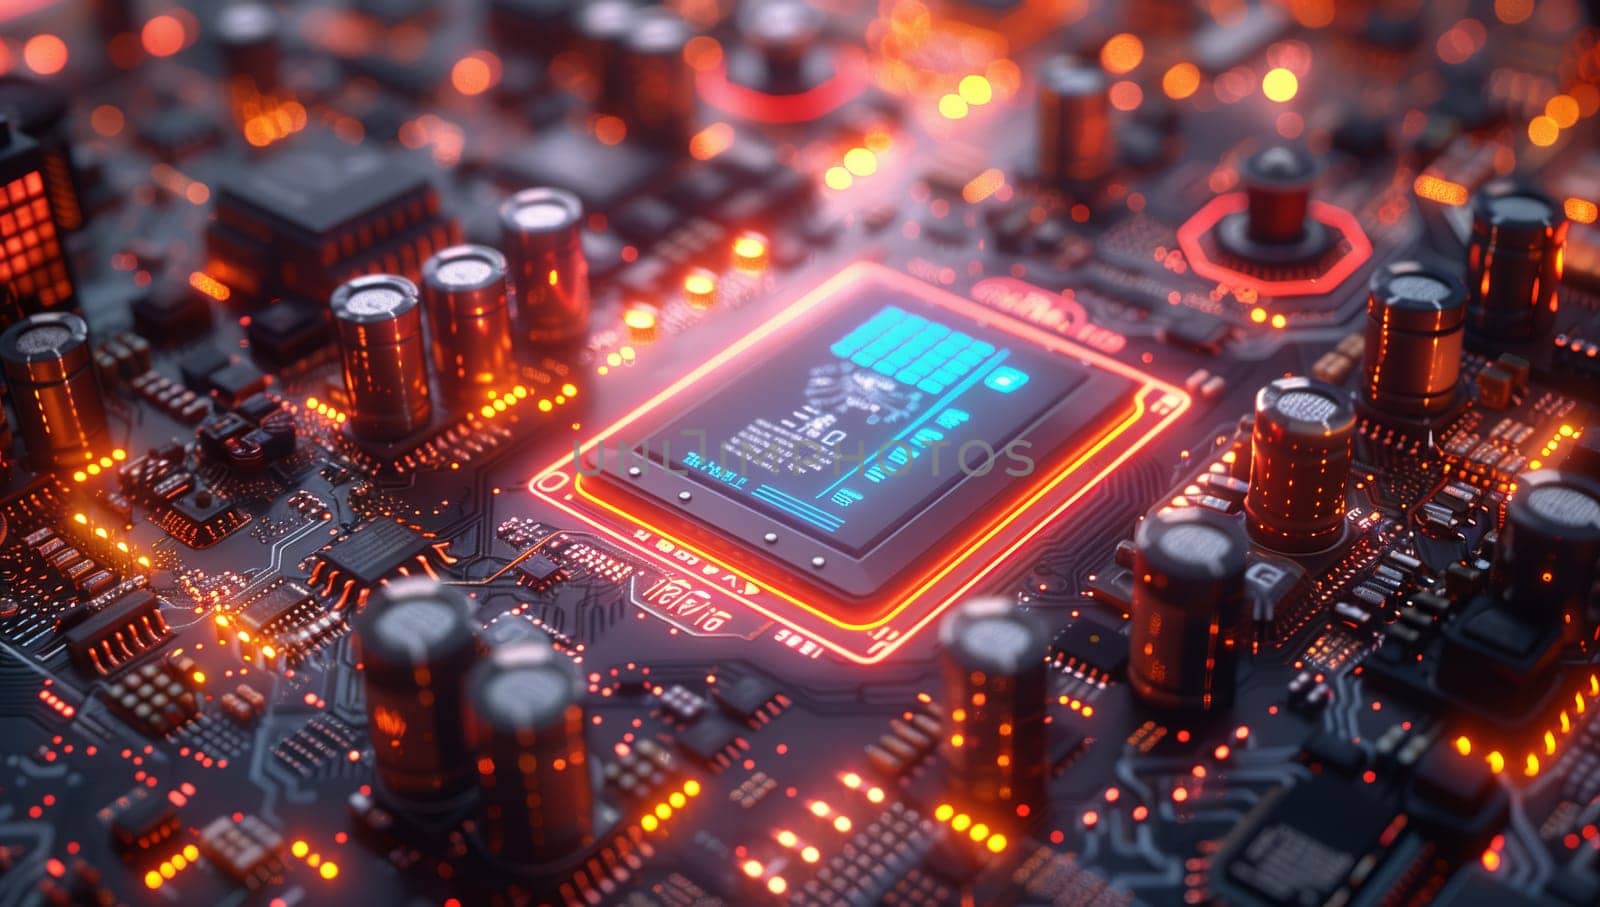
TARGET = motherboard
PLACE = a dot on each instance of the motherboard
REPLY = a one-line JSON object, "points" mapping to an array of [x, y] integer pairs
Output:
{"points": [[741, 452]]}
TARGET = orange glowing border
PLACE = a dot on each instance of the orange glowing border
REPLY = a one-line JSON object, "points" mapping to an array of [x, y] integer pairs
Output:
{"points": [[1334, 216], [1180, 402]]}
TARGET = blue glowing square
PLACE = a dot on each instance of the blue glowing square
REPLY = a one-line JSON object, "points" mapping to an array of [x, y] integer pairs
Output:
{"points": [[1005, 379]]}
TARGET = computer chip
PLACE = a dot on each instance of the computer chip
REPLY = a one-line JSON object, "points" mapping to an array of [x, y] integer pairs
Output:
{"points": [[824, 456]]}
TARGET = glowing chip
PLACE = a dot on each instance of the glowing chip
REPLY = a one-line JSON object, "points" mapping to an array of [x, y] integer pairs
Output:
{"points": [[863, 459]]}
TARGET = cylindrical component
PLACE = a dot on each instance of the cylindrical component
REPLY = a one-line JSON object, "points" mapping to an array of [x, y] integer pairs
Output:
{"points": [[1513, 262], [1548, 556], [660, 103], [599, 30], [539, 27], [526, 721], [54, 389], [1189, 608], [417, 643], [994, 695], [1277, 184], [542, 233], [379, 321], [469, 319], [1299, 464], [1075, 133], [247, 36], [1415, 320], [781, 51]]}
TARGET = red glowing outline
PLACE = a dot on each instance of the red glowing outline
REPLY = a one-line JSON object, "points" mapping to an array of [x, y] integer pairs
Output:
{"points": [[913, 590], [847, 81], [1223, 205]]}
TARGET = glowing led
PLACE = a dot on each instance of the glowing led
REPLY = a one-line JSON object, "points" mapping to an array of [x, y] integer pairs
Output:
{"points": [[640, 319], [861, 162], [1543, 131], [837, 178], [1181, 80], [1122, 53], [750, 252], [952, 107], [699, 289], [1280, 85], [975, 90]]}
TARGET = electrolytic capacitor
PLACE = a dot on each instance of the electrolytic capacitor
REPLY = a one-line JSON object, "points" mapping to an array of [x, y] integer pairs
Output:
{"points": [[247, 35], [599, 30], [1548, 556], [1076, 142], [994, 695], [1276, 226], [417, 642], [1415, 320], [782, 51], [525, 718], [379, 321], [1513, 263], [1190, 613], [542, 235], [50, 369], [1299, 465], [659, 107], [469, 321]]}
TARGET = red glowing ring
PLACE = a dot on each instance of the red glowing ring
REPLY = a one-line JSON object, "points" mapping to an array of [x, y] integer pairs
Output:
{"points": [[1335, 217], [847, 81]]}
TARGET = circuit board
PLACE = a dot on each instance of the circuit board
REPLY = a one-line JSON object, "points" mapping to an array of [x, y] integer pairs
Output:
{"points": [[912, 452]]}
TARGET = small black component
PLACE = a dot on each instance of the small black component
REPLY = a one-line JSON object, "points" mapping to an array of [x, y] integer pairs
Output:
{"points": [[709, 739], [167, 315], [122, 630], [1304, 844], [247, 850], [599, 174], [683, 704], [1334, 751], [370, 554], [235, 381], [1090, 648], [281, 606], [1196, 332], [200, 517], [539, 571], [745, 697], [288, 331], [141, 820], [158, 697], [199, 365], [304, 220]]}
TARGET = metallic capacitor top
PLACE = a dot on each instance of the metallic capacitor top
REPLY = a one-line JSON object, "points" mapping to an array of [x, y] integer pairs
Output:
{"points": [[49, 367], [417, 642], [1415, 320], [542, 234], [379, 320], [469, 321], [1548, 556], [1076, 142], [994, 695], [1299, 464], [1513, 263], [526, 721], [660, 103], [1189, 608]]}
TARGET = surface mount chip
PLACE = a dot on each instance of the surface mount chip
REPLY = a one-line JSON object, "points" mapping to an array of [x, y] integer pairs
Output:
{"points": [[823, 457]]}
